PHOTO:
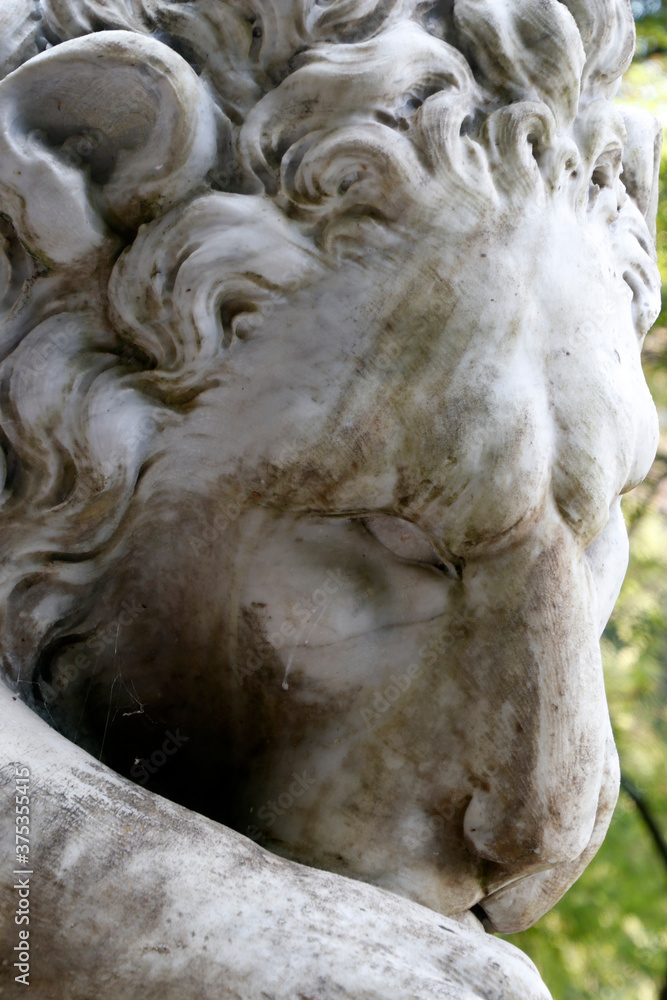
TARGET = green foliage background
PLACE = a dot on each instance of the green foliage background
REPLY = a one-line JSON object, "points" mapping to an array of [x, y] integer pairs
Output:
{"points": [[607, 939]]}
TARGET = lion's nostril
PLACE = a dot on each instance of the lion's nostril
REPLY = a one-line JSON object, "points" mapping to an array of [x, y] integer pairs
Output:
{"points": [[481, 914], [524, 837]]}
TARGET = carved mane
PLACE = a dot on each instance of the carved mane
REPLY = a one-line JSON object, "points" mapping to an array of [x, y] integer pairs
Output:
{"points": [[143, 143]]}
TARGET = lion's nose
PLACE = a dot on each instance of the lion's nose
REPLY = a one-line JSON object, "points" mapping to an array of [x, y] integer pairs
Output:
{"points": [[515, 902], [534, 660], [529, 833]]}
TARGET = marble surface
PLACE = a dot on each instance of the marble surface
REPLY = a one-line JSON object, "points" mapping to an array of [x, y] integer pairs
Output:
{"points": [[320, 386]]}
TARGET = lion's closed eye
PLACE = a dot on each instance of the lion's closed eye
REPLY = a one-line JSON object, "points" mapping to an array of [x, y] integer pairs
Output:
{"points": [[409, 542]]}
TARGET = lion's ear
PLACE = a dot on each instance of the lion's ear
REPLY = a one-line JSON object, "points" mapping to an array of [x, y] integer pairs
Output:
{"points": [[110, 128]]}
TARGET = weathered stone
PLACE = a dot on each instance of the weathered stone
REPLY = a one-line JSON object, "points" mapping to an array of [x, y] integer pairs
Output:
{"points": [[320, 386]]}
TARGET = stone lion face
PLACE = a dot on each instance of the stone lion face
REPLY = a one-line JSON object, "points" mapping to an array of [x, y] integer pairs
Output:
{"points": [[378, 557], [388, 346]]}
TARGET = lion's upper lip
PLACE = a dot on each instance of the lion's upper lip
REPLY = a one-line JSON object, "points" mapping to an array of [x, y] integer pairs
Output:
{"points": [[480, 910]]}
